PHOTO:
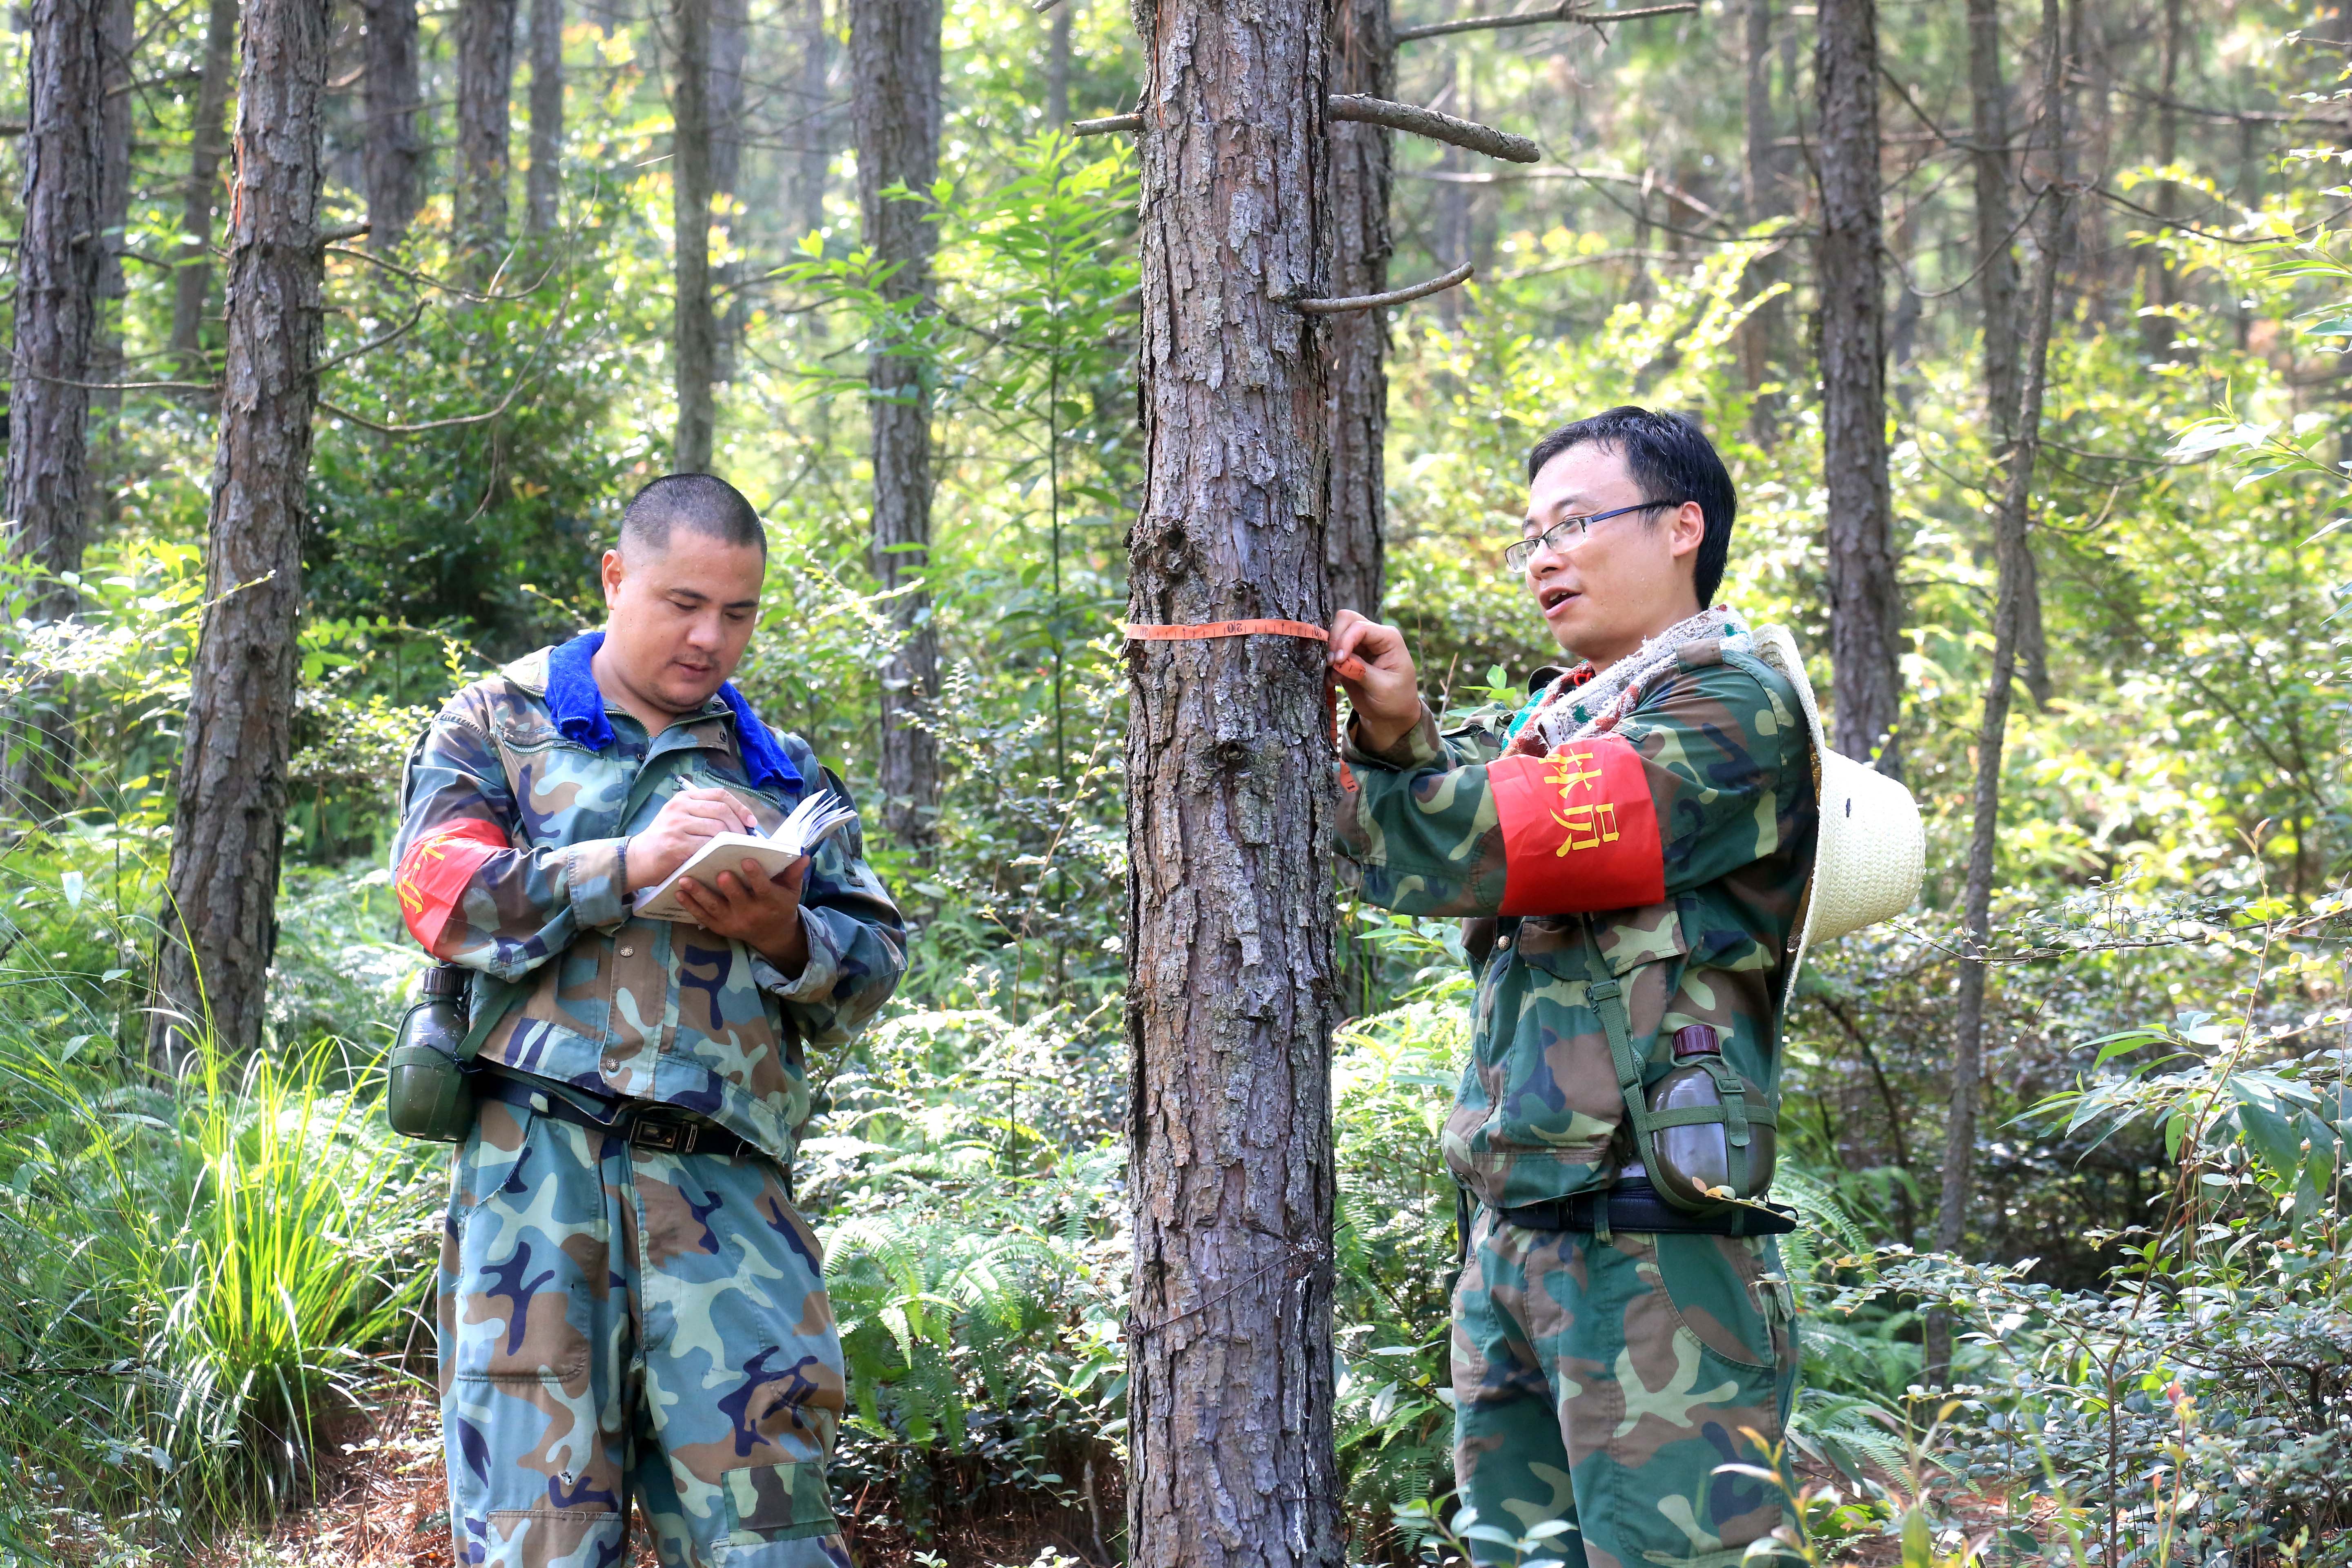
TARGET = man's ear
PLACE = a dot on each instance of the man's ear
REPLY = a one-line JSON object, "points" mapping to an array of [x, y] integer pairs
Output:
{"points": [[1688, 530], [611, 571]]}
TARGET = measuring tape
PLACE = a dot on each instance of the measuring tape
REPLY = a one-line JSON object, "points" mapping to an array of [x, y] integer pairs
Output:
{"points": [[1350, 666]]}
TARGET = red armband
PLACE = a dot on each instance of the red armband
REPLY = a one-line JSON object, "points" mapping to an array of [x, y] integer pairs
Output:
{"points": [[436, 872], [1579, 831]]}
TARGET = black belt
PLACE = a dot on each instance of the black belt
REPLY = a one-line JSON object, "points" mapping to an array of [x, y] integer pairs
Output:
{"points": [[1635, 1205], [639, 1123]]}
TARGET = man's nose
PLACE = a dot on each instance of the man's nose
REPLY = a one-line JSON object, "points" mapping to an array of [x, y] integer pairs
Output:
{"points": [[703, 631]]}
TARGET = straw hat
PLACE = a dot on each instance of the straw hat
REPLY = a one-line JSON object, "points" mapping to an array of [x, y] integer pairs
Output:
{"points": [[1872, 846]]}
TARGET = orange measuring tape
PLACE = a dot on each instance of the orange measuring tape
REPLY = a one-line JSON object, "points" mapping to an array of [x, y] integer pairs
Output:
{"points": [[1349, 667]]}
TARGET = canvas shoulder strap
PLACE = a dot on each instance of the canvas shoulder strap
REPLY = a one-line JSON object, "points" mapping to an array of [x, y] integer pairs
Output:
{"points": [[1607, 996]]}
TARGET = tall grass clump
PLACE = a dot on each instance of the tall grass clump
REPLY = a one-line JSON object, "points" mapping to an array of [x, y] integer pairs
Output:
{"points": [[193, 1276]]}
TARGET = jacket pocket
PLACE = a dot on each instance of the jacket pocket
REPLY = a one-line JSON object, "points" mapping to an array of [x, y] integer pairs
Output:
{"points": [[1552, 1080], [776, 1502]]}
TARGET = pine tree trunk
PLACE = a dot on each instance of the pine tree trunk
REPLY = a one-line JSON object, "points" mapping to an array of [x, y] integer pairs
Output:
{"points": [[694, 346], [60, 259], [814, 131], [894, 54], [219, 925], [1057, 66], [116, 40], [1866, 602], [1354, 540], [1763, 339], [730, 38], [1994, 172], [2157, 328], [543, 186], [392, 156], [1231, 984], [485, 37], [191, 272], [2013, 563]]}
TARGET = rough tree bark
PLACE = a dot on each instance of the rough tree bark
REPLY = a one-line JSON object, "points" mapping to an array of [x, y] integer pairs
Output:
{"points": [[191, 272], [1231, 993], [730, 38], [392, 157], [1994, 170], [894, 67], [485, 37], [694, 335], [219, 925], [543, 186], [2012, 558], [1866, 602], [1357, 382], [60, 257]]}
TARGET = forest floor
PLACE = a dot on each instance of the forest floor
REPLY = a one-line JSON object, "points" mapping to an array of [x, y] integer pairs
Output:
{"points": [[383, 1503]]}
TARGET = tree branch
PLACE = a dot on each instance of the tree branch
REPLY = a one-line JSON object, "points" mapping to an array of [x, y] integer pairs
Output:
{"points": [[394, 335], [1565, 12], [1393, 297]]}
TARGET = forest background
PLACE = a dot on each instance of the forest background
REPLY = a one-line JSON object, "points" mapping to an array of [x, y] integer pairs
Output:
{"points": [[214, 1252]]}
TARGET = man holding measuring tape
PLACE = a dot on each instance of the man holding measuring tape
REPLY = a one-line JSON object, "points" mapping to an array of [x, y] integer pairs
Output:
{"points": [[1633, 850]]}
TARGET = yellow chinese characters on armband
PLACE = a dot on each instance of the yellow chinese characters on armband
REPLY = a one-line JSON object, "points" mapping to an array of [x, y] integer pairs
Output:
{"points": [[1579, 831]]}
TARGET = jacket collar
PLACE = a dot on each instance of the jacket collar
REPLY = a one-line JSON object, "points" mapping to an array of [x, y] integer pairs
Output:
{"points": [[577, 705]]}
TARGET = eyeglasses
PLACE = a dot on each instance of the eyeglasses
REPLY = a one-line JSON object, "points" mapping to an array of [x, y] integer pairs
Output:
{"points": [[1567, 529]]}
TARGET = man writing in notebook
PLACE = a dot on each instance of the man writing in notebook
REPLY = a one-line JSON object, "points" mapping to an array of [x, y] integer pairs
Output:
{"points": [[630, 1306]]}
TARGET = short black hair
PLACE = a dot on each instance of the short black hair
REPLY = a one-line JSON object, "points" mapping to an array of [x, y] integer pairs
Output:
{"points": [[1672, 460], [703, 502]]}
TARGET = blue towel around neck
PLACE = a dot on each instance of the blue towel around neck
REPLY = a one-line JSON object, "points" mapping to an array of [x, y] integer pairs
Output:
{"points": [[578, 705]]}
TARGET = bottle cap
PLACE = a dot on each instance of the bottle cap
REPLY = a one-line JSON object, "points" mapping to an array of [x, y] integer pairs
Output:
{"points": [[444, 980], [1695, 1040]]}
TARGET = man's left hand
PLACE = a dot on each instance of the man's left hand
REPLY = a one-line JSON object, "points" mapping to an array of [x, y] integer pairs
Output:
{"points": [[764, 915]]}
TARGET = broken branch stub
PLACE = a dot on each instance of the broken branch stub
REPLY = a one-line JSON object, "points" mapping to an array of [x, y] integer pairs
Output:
{"points": [[1393, 297], [1437, 127], [1107, 126]]}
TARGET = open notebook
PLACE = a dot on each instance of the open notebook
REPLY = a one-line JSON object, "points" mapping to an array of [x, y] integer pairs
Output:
{"points": [[817, 818]]}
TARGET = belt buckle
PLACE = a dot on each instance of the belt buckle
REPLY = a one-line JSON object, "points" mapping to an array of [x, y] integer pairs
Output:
{"points": [[664, 1137]]}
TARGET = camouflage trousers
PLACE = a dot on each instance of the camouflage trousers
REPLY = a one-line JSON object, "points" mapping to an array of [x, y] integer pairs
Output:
{"points": [[619, 1323], [1602, 1383]]}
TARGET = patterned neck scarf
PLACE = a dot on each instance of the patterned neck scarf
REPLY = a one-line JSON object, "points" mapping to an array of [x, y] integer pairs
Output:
{"points": [[1582, 703]]}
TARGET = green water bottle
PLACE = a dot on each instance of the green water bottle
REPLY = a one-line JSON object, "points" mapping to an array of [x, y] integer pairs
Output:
{"points": [[425, 1093], [1708, 1162]]}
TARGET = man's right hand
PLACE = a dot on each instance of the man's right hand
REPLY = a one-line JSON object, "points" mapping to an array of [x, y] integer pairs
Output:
{"points": [[688, 820], [1387, 700]]}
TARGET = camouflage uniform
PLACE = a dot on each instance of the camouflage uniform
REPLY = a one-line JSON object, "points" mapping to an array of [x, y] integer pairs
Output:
{"points": [[615, 1321], [1603, 1379]]}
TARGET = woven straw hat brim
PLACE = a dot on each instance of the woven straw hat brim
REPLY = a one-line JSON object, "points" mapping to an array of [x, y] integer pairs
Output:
{"points": [[1872, 846]]}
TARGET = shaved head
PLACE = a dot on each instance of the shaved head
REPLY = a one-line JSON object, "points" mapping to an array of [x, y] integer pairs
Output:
{"points": [[702, 503]]}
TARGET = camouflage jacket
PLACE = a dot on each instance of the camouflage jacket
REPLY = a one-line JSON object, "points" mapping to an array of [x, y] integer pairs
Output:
{"points": [[1673, 851], [509, 860]]}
